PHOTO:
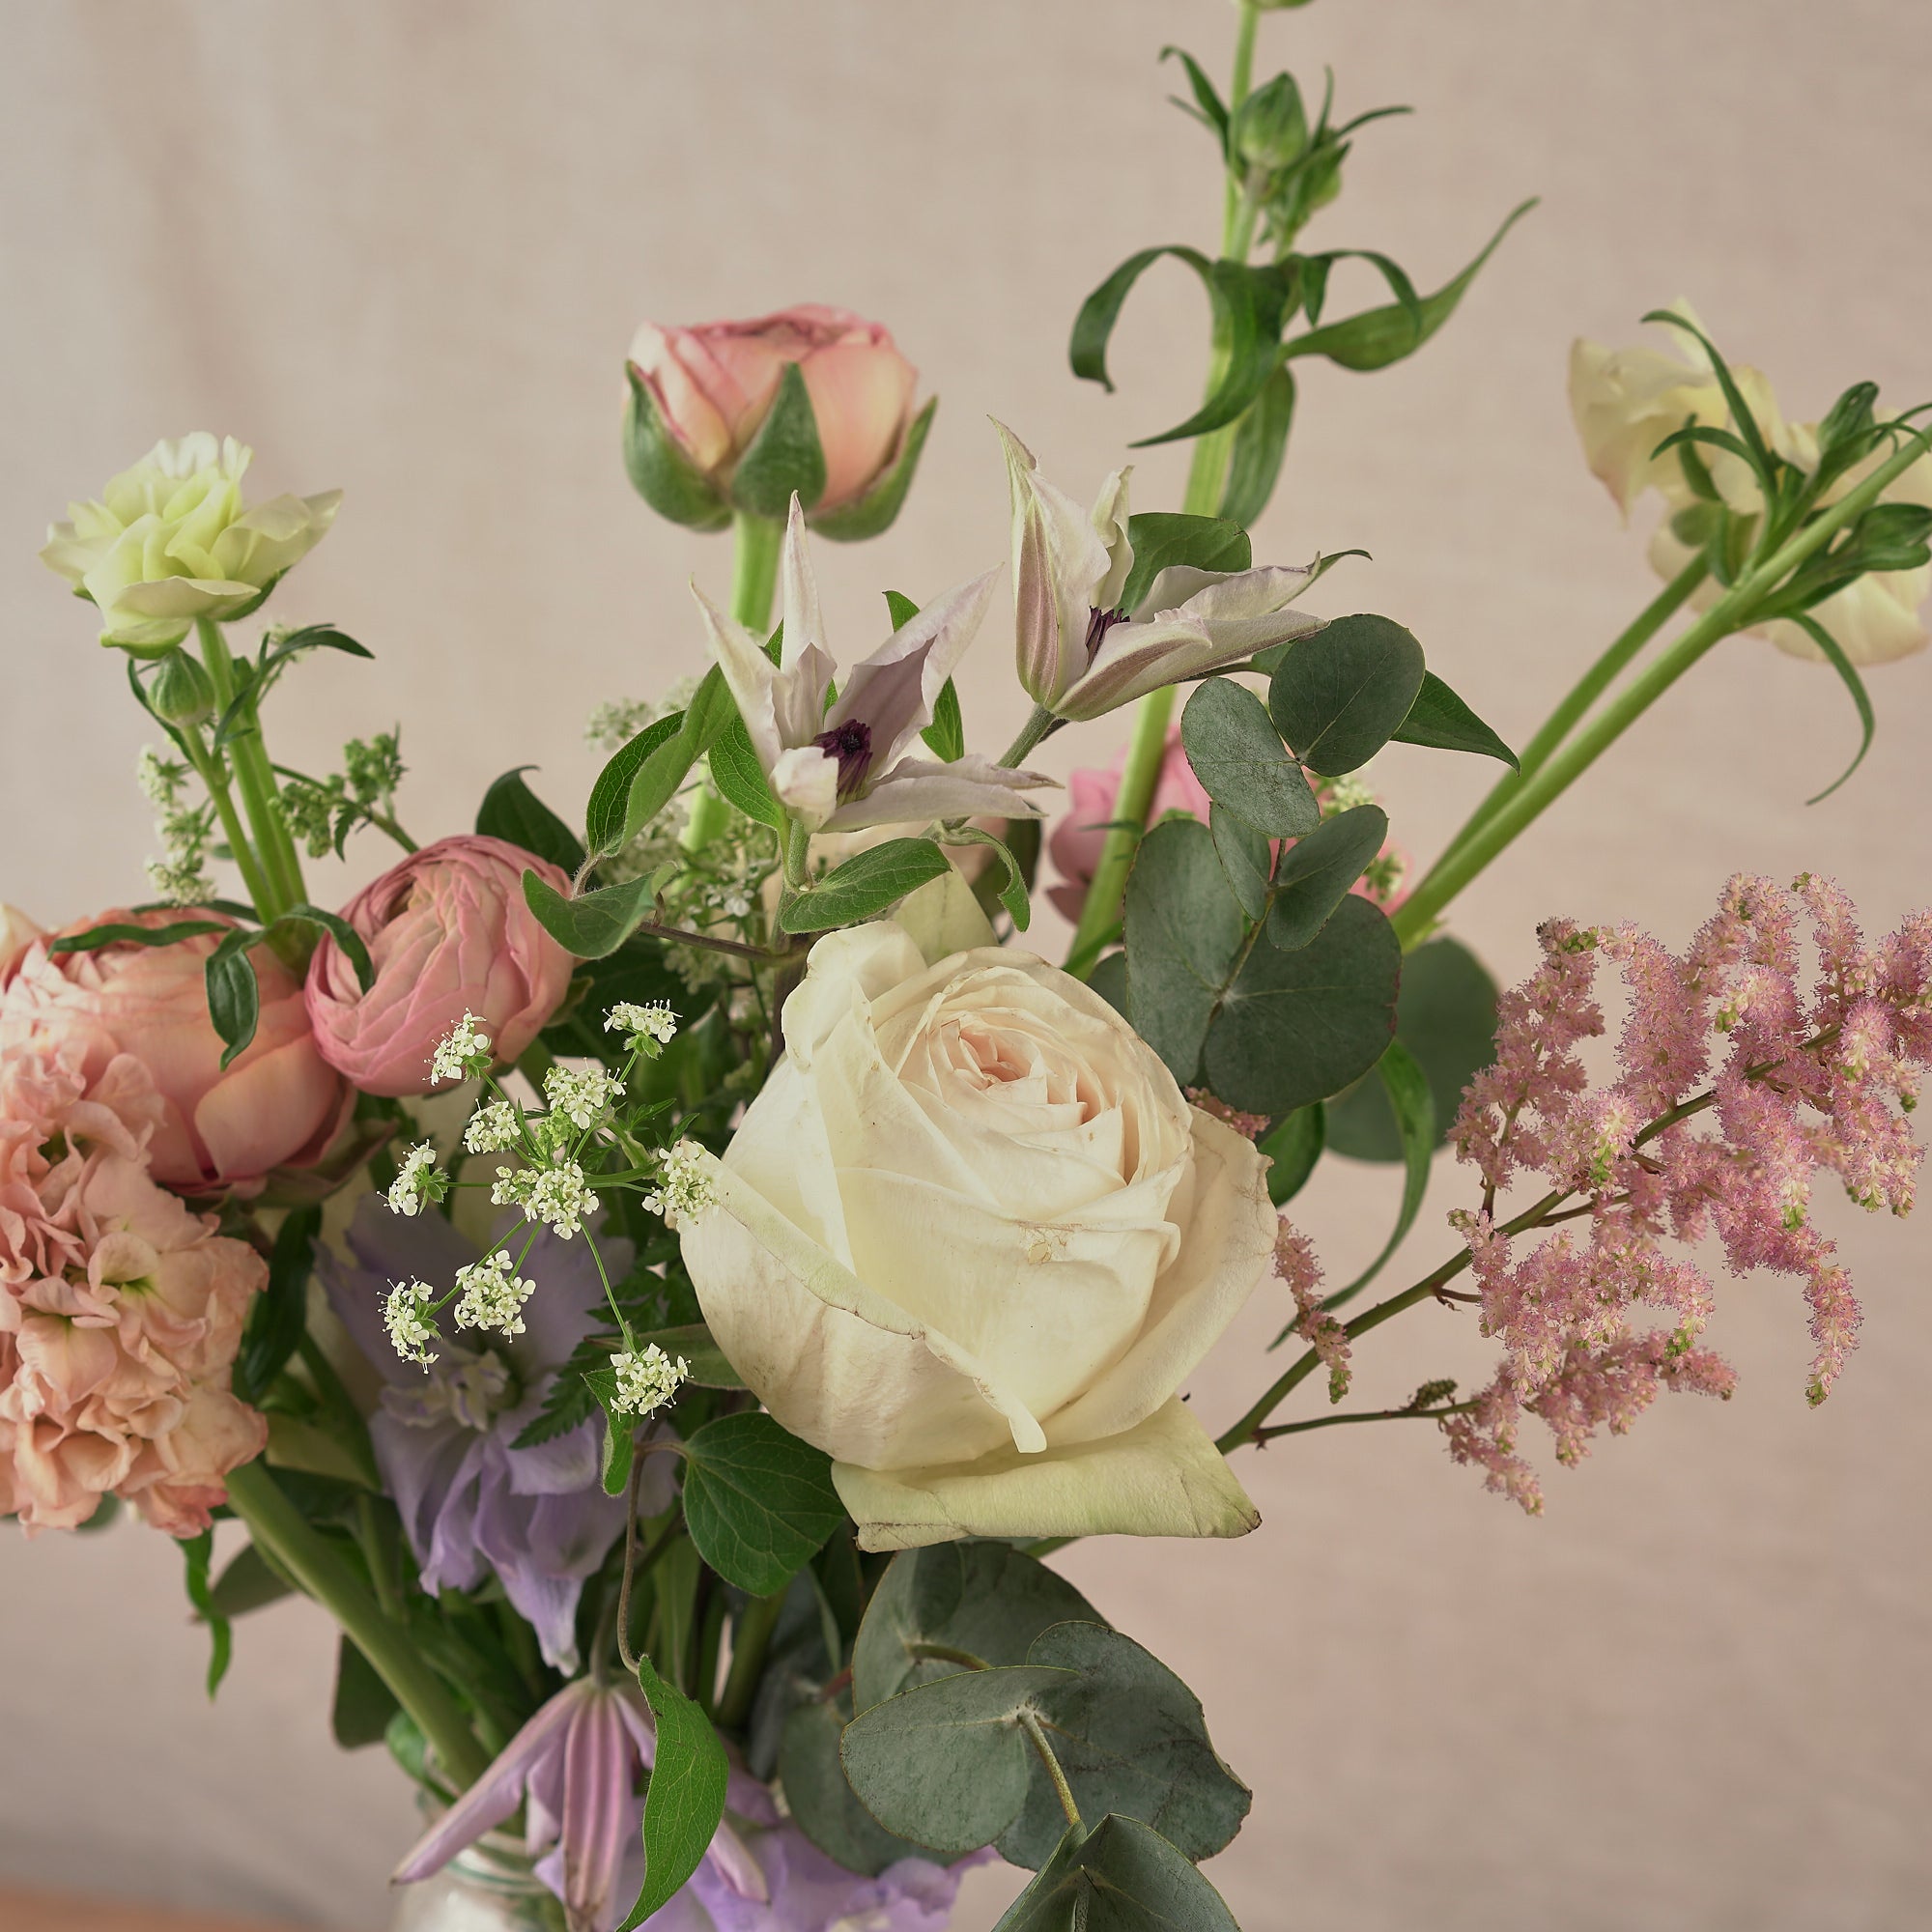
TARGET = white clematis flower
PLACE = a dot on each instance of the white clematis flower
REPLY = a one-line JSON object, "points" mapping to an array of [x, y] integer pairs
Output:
{"points": [[843, 770], [1078, 653], [170, 541]]}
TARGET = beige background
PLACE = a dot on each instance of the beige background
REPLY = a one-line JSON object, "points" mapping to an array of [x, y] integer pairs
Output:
{"points": [[402, 248]]}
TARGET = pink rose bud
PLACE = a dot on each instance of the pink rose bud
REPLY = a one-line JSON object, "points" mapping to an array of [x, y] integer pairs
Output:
{"points": [[448, 933], [277, 1104], [714, 386], [1077, 841]]}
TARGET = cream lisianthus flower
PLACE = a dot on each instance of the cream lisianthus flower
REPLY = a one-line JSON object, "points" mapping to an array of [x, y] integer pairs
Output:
{"points": [[170, 540], [970, 1240], [1627, 401]]}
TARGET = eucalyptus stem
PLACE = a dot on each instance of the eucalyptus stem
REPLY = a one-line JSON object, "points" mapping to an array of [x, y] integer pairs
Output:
{"points": [[287, 1541], [1030, 1723]]}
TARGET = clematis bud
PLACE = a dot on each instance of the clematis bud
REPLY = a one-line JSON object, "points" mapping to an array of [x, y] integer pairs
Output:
{"points": [[181, 692]]}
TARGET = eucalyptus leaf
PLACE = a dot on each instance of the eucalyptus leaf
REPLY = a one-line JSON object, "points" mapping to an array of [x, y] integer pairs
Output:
{"points": [[512, 813], [1315, 873], [1245, 857], [1237, 755], [758, 1502], [824, 1807], [865, 884], [1338, 697], [1184, 931], [1439, 718], [1121, 1877]]}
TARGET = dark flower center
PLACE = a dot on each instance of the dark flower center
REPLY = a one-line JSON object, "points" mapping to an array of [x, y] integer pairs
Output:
{"points": [[1098, 624], [851, 744]]}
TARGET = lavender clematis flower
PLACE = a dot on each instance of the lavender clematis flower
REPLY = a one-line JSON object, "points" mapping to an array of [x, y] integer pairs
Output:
{"points": [[1079, 655], [473, 1503], [844, 770], [574, 1767]]}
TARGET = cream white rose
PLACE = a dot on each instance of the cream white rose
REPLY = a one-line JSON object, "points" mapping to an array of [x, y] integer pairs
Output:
{"points": [[1625, 403], [970, 1240], [170, 540]]}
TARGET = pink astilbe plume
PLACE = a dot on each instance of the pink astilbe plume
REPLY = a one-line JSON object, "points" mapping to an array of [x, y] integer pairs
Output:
{"points": [[1295, 1265], [1806, 1080]]}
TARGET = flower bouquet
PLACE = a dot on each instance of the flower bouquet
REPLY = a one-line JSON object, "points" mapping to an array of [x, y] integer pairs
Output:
{"points": [[667, 1280]]}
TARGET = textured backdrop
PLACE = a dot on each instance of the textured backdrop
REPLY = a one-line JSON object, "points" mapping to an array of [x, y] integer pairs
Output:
{"points": [[402, 249]]}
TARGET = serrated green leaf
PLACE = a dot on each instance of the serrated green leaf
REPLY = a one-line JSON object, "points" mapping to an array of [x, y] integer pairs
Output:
{"points": [[757, 1501], [683, 1804], [1161, 538], [1338, 697], [1239, 757], [1440, 719], [736, 773], [785, 457], [1379, 336], [1184, 931], [1296, 1027], [1293, 1144], [1315, 873], [983, 1599], [512, 813], [865, 884], [944, 1764]]}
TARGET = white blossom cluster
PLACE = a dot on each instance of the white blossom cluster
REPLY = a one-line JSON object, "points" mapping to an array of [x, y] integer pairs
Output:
{"points": [[405, 1315], [462, 1053], [419, 1182], [493, 1129], [557, 1195], [685, 1186], [647, 1379], [581, 1095], [651, 1026], [491, 1295]]}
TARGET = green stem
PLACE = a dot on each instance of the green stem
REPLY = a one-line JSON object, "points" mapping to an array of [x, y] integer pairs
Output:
{"points": [[1062, 1790], [1031, 732], [287, 1540], [1273, 1429], [1582, 695], [749, 1641], [254, 778], [1147, 753], [213, 776]]}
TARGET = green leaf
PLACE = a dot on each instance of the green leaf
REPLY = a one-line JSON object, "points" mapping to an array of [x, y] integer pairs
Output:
{"points": [[363, 1705], [1446, 1017], [1340, 695], [683, 1804], [1109, 978], [1835, 657], [1294, 1143], [280, 1314], [875, 512], [1439, 719], [512, 811], [900, 609], [1122, 1877], [983, 1599], [234, 994], [865, 884], [1297, 1027], [255, 680], [1163, 537], [1241, 762], [1755, 452], [1259, 443], [946, 736], [1379, 336], [1012, 889], [702, 723], [1413, 1108], [785, 457], [345, 935], [611, 795], [128, 934], [247, 1584], [1131, 1739], [660, 471], [197, 1551], [1245, 857], [620, 1431], [1184, 931], [946, 1764], [757, 1501], [1313, 875], [736, 773], [592, 926], [823, 1805], [1209, 106], [676, 1579]]}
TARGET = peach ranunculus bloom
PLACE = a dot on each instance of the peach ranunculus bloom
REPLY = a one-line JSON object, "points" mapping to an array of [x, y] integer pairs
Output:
{"points": [[450, 933], [121, 1309], [276, 1104], [714, 383]]}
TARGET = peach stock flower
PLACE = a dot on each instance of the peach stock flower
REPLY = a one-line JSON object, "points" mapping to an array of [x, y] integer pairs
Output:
{"points": [[278, 1103], [120, 1310], [448, 933]]}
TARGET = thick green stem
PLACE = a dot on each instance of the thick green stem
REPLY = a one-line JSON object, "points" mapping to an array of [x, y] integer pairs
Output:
{"points": [[1031, 734], [751, 1639], [1583, 694], [1147, 753], [255, 780], [213, 776], [287, 1541]]}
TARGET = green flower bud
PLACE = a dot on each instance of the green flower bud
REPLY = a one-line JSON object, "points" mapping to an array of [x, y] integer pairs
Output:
{"points": [[1271, 127], [181, 692]]}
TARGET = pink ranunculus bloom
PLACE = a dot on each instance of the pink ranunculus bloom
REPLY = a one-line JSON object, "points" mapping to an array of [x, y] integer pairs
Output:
{"points": [[18, 932], [120, 1310], [276, 1104], [1076, 842], [713, 385], [450, 933]]}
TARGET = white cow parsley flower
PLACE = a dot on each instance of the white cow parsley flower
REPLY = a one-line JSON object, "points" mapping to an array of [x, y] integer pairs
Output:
{"points": [[493, 1128], [685, 1186], [654, 1022], [579, 1095], [647, 1380], [558, 1196], [405, 1315], [463, 1051], [491, 1296], [419, 1182]]}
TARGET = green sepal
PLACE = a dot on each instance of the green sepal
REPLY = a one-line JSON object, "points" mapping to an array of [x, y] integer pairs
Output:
{"points": [[784, 458], [873, 513], [660, 471]]}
